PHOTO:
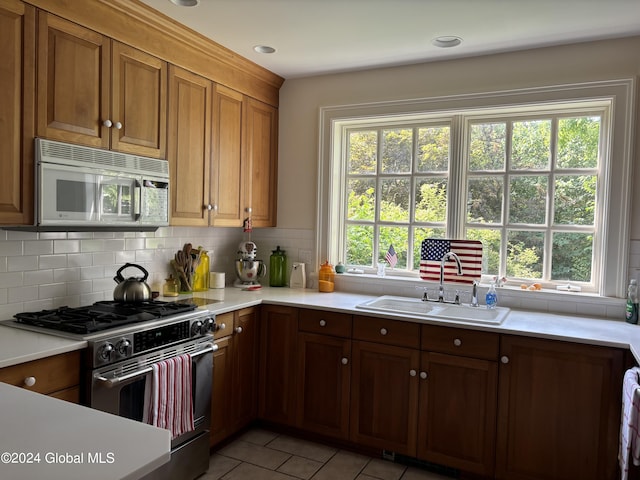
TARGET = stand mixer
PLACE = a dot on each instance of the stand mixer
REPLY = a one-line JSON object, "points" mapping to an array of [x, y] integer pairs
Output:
{"points": [[248, 269]]}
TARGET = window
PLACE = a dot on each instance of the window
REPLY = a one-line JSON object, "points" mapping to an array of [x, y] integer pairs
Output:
{"points": [[532, 181]]}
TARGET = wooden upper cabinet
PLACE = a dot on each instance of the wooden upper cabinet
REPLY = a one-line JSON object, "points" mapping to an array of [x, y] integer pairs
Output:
{"points": [[261, 158], [17, 57], [139, 103], [228, 190], [189, 147], [97, 92]]}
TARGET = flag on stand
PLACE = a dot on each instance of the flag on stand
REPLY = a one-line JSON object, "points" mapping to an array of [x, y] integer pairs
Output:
{"points": [[469, 252], [391, 256]]}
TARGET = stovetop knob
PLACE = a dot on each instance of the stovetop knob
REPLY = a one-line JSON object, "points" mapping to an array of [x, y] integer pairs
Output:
{"points": [[209, 325], [105, 351], [196, 328], [122, 347]]}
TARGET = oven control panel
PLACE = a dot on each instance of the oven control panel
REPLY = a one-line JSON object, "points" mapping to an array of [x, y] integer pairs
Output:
{"points": [[132, 343]]}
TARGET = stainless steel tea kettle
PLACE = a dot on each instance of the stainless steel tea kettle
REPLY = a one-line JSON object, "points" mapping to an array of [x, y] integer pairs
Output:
{"points": [[132, 289]]}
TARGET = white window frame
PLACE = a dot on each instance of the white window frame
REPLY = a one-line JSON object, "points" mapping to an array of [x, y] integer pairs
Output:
{"points": [[617, 95]]}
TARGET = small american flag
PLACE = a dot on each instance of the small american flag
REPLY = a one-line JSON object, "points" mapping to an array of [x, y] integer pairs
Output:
{"points": [[468, 251], [391, 256]]}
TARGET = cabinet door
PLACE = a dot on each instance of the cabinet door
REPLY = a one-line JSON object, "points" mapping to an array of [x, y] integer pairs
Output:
{"points": [[17, 56], [457, 413], [558, 410], [73, 82], [261, 158], [244, 377], [189, 147], [277, 397], [227, 179], [139, 105], [221, 405], [384, 396], [324, 379]]}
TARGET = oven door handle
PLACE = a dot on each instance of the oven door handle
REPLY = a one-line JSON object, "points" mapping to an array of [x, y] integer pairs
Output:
{"points": [[112, 382]]}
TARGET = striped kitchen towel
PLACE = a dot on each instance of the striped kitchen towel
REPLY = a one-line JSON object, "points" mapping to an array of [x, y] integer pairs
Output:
{"points": [[168, 399], [468, 251], [629, 422]]}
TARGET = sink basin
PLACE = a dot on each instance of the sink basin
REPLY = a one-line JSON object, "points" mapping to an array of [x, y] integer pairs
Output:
{"points": [[464, 313], [437, 311], [388, 303]]}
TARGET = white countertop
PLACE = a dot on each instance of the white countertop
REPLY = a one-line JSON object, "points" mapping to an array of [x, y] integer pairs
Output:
{"points": [[43, 437], [17, 346]]}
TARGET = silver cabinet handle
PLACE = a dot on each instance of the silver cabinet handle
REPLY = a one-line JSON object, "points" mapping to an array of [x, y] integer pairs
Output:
{"points": [[107, 123], [118, 125], [29, 381], [504, 359], [344, 360], [423, 375], [238, 330], [323, 323], [457, 342], [383, 331], [209, 207], [413, 373]]}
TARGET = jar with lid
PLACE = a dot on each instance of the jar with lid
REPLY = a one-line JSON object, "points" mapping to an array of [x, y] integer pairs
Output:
{"points": [[278, 268], [171, 287], [326, 277]]}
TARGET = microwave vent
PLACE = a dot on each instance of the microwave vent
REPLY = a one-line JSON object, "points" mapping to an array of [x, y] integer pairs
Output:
{"points": [[68, 154]]}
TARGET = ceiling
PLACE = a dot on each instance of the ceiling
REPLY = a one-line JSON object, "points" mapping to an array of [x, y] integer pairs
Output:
{"points": [[313, 37]]}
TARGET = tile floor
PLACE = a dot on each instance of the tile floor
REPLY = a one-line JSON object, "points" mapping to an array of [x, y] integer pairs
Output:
{"points": [[264, 455]]}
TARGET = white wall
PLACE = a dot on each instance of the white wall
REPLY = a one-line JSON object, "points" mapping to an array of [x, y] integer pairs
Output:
{"points": [[301, 99]]}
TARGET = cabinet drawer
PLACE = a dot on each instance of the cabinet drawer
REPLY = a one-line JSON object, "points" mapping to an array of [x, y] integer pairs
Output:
{"points": [[327, 323], [389, 332], [51, 374], [224, 322], [459, 341]]}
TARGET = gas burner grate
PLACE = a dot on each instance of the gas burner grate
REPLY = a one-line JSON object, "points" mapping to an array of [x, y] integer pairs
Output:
{"points": [[100, 316]]}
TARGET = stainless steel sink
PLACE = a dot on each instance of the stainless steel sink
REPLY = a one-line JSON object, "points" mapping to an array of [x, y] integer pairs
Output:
{"points": [[437, 311]]}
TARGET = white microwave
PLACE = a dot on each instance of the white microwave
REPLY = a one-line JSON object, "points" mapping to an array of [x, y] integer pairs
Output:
{"points": [[86, 188]]}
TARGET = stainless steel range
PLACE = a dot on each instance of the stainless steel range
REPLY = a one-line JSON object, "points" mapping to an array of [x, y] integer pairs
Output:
{"points": [[125, 341]]}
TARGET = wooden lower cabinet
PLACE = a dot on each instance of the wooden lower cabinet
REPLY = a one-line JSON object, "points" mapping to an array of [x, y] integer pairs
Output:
{"points": [[57, 376], [278, 364], [559, 410], [457, 413], [234, 390], [384, 396], [325, 378]]}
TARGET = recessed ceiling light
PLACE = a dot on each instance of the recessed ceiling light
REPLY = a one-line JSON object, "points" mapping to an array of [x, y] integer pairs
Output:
{"points": [[446, 41], [264, 49], [185, 3]]}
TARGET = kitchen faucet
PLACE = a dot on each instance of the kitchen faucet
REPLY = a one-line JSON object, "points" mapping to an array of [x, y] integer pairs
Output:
{"points": [[446, 257]]}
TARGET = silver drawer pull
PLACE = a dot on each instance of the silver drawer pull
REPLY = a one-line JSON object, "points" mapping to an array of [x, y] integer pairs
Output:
{"points": [[383, 331], [323, 323], [457, 342]]}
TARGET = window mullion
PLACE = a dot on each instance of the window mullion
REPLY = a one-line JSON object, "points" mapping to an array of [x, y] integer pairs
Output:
{"points": [[456, 196]]}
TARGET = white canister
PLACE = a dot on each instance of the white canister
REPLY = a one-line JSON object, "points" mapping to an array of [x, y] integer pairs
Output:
{"points": [[298, 278], [216, 280]]}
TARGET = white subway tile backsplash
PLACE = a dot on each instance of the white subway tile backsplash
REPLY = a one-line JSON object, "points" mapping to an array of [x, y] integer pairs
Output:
{"points": [[11, 248], [22, 294], [52, 290], [125, 256], [79, 287], [66, 274], [11, 279], [39, 277], [78, 260], [134, 243], [91, 273], [92, 246], [104, 258], [66, 246], [52, 261], [20, 264], [79, 235], [40, 247]]}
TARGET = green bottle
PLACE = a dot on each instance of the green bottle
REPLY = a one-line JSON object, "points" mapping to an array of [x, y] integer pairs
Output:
{"points": [[278, 268]]}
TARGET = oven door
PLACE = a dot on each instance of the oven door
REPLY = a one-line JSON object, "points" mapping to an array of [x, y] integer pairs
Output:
{"points": [[119, 389]]}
